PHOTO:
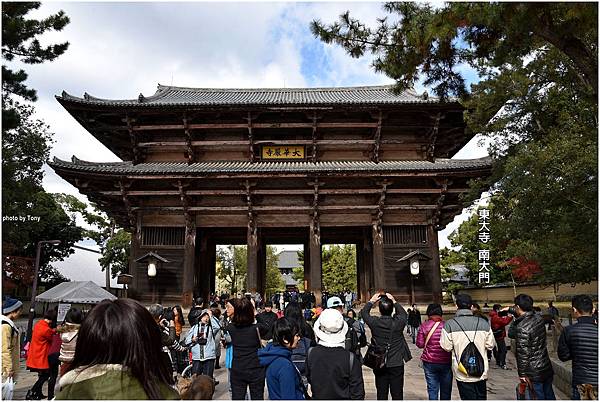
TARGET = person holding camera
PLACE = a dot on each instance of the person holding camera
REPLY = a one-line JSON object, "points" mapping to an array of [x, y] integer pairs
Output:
{"points": [[202, 338], [388, 330], [499, 320], [533, 362], [165, 319]]}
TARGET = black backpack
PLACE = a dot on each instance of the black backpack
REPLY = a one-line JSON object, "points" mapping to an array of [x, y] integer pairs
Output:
{"points": [[471, 362], [299, 354], [351, 343]]}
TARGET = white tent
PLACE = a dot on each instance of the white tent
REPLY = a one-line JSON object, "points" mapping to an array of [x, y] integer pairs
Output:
{"points": [[75, 292]]}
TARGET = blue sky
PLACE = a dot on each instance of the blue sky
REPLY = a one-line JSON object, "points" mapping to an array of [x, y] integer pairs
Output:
{"points": [[118, 50]]}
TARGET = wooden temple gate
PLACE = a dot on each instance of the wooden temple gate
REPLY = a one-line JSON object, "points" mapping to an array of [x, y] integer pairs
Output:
{"points": [[203, 167]]}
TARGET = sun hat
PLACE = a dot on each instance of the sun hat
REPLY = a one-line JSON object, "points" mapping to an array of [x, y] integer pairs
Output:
{"points": [[334, 302], [330, 327], [9, 305]]}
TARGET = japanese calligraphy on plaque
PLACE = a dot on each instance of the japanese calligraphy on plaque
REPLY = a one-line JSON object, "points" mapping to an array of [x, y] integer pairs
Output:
{"points": [[282, 152]]}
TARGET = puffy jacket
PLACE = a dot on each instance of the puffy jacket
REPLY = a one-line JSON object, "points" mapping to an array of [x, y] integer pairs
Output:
{"points": [[41, 338], [283, 381], [499, 323], [456, 335], [208, 351], [579, 343], [433, 352], [529, 332], [381, 329], [68, 336]]}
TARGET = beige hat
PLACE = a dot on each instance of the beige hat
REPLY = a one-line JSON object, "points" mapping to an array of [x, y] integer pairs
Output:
{"points": [[330, 327]]}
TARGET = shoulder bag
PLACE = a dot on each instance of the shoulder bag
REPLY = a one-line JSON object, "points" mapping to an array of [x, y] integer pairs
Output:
{"points": [[429, 335], [376, 356]]}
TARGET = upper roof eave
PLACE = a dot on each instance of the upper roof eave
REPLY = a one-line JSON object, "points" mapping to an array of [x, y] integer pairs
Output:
{"points": [[171, 96]]}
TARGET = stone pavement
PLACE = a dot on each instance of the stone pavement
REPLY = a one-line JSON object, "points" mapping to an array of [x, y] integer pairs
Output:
{"points": [[501, 383]]}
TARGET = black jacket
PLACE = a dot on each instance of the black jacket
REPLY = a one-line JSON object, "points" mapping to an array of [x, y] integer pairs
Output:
{"points": [[246, 342], [330, 375], [381, 328], [579, 343], [533, 361]]}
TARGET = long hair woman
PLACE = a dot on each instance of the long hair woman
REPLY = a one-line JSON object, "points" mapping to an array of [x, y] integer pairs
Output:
{"points": [[118, 356], [246, 371], [294, 312]]}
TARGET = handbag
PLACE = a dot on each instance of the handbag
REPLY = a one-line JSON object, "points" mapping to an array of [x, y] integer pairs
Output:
{"points": [[376, 356], [431, 332], [8, 388], [525, 390]]}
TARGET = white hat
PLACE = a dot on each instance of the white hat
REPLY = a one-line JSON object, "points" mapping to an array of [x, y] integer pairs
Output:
{"points": [[334, 302], [330, 327]]}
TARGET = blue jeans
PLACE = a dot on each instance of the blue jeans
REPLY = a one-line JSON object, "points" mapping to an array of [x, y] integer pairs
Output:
{"points": [[543, 390], [575, 396], [439, 380]]}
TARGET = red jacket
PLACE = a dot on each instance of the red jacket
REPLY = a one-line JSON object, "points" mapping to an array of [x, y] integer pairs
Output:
{"points": [[433, 353], [41, 338], [498, 323]]}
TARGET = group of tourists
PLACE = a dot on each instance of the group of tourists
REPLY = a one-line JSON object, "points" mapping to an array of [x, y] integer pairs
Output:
{"points": [[122, 350]]}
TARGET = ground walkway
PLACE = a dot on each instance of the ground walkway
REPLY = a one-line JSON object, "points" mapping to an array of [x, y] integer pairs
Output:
{"points": [[501, 383]]}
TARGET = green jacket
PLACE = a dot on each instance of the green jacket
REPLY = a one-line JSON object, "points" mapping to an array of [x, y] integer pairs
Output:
{"points": [[106, 381]]}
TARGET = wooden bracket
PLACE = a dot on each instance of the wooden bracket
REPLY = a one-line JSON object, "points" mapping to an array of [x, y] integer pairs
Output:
{"points": [[313, 156], [440, 201], [127, 203], [251, 153], [190, 225], [315, 223], [433, 135], [252, 227], [133, 139], [190, 155], [377, 139]]}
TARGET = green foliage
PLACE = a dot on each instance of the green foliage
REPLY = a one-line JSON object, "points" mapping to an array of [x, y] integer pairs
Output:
{"points": [[232, 267], [274, 281], [20, 41], [114, 243], [339, 268], [415, 39], [298, 275], [449, 257], [536, 100]]}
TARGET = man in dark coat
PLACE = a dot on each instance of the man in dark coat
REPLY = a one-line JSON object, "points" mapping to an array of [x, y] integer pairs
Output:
{"points": [[265, 320], [533, 362], [388, 329], [579, 343]]}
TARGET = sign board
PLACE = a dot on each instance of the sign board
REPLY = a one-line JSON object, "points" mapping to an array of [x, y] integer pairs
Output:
{"points": [[62, 311], [282, 152]]}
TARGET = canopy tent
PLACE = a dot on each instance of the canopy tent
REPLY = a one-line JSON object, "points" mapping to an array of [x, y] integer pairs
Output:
{"points": [[75, 292]]}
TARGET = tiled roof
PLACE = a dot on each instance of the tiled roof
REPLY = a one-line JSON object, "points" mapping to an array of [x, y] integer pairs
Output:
{"points": [[288, 259], [237, 167], [178, 96]]}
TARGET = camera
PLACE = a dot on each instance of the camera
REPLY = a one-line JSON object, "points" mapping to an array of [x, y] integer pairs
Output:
{"points": [[511, 310]]}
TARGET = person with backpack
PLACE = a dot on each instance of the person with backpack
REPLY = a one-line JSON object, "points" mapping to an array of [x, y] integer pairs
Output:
{"points": [[498, 325], [353, 340], [533, 363], [11, 346], [467, 338], [436, 361], [414, 322], [195, 311], [387, 331], [579, 343], [201, 337], [283, 379], [332, 371], [69, 332]]}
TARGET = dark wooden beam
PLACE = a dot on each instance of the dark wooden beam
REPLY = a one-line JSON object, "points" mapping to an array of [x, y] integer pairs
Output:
{"points": [[434, 136], [133, 139], [377, 139], [213, 126], [251, 154], [313, 156], [191, 157]]}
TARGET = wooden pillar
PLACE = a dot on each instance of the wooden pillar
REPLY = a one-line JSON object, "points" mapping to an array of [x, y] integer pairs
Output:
{"points": [[434, 249], [262, 268], [189, 263], [368, 262], [252, 279], [378, 258], [361, 274], [133, 254], [315, 283], [306, 266]]}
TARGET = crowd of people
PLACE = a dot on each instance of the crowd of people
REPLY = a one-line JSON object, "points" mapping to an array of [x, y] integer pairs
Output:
{"points": [[123, 350]]}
